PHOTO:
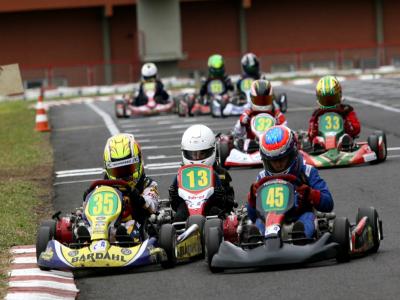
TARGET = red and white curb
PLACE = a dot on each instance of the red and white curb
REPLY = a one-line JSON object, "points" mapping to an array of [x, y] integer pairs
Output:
{"points": [[26, 281]]}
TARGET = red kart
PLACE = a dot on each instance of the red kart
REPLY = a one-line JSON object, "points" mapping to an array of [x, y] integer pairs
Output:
{"points": [[196, 185], [125, 109], [333, 147]]}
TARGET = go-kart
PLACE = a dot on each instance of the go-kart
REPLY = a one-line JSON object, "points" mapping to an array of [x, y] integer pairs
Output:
{"points": [[124, 107], [95, 236], [242, 153], [274, 242], [332, 149], [195, 186], [191, 105]]}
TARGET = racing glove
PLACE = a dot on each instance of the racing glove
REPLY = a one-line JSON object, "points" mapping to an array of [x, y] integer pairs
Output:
{"points": [[173, 197], [252, 195], [244, 119], [308, 196], [136, 199]]}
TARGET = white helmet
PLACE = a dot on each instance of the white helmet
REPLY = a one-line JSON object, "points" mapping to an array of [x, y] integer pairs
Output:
{"points": [[149, 70], [198, 145]]}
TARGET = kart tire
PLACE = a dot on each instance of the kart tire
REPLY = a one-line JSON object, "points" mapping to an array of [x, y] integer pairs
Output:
{"points": [[124, 114], [199, 221], [42, 239], [217, 222], [373, 143], [181, 110], [223, 153], [373, 219], [52, 225], [283, 102], [213, 241], [341, 235], [167, 241], [380, 133]]}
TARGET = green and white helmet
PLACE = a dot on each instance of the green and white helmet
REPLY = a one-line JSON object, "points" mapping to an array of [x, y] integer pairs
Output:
{"points": [[216, 66]]}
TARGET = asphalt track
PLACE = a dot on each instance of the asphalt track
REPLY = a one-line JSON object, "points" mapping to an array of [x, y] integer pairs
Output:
{"points": [[78, 138]]}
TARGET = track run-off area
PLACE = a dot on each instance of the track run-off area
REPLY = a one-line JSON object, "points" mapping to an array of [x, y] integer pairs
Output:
{"points": [[79, 133]]}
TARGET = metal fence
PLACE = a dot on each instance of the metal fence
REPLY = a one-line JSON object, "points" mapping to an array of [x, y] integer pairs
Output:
{"points": [[299, 60]]}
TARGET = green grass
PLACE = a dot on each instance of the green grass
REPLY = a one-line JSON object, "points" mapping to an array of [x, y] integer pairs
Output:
{"points": [[25, 179]]}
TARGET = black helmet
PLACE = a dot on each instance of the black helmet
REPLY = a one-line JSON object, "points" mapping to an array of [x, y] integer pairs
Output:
{"points": [[250, 64]]}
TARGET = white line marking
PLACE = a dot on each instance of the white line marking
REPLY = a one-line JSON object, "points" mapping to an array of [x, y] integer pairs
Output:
{"points": [[46, 284], [36, 296], [112, 128], [160, 147], [22, 251], [393, 148], [38, 272], [25, 260], [158, 140], [79, 174], [162, 156], [163, 164], [79, 171], [351, 99], [74, 181]]}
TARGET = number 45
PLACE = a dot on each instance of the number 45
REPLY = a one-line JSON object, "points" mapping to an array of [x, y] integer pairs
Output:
{"points": [[275, 197]]}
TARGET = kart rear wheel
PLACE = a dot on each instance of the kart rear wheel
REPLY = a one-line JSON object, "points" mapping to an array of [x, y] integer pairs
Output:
{"points": [[223, 153], [42, 239], [341, 235], [213, 241], [283, 102], [381, 134], [373, 219], [167, 241], [199, 221]]}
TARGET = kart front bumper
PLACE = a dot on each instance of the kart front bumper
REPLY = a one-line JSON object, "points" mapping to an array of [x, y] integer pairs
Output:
{"points": [[58, 256], [272, 253]]}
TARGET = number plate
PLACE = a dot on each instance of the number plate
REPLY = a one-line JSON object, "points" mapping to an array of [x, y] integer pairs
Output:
{"points": [[195, 178], [330, 122], [103, 202], [275, 196], [149, 87], [261, 122], [215, 87], [245, 84]]}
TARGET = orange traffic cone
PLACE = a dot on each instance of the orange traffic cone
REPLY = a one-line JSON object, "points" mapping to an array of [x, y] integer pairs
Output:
{"points": [[42, 123]]}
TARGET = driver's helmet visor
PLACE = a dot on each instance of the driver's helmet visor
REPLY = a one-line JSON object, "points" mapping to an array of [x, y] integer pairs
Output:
{"points": [[198, 154], [123, 169], [262, 100]]}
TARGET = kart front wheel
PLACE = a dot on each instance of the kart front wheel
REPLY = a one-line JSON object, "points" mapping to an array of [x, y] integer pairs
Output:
{"points": [[213, 241], [376, 224], [210, 223], [42, 239], [341, 235], [373, 143], [167, 241]]}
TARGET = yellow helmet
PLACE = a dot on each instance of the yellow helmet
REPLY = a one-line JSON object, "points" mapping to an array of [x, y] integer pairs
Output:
{"points": [[329, 91], [123, 158]]}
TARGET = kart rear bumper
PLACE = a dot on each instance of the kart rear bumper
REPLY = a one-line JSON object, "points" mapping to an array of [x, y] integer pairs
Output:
{"points": [[144, 110], [271, 253], [238, 158]]}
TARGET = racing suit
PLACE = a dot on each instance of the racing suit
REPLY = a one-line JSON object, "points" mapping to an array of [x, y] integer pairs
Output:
{"points": [[351, 123], [312, 192], [242, 129], [227, 85], [161, 96], [221, 200]]}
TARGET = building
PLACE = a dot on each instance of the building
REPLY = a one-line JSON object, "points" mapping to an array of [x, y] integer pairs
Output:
{"points": [[85, 42]]}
